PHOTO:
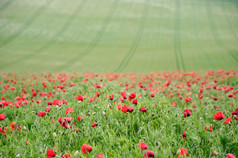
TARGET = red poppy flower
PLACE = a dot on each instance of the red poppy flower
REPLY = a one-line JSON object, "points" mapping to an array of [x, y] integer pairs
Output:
{"points": [[49, 103], [94, 124], [13, 125], [130, 109], [97, 94], [143, 146], [67, 126], [41, 114], [79, 118], [66, 156], [187, 113], [47, 109], [187, 100], [3, 129], [182, 152], [119, 106], [33, 94], [68, 119], [63, 101], [228, 120], [77, 131], [217, 107], [123, 95], [208, 128], [122, 99], [230, 156], [51, 153], [184, 135], [132, 96], [219, 115], [3, 98], [79, 97], [152, 95], [12, 88], [111, 97], [143, 109], [56, 102], [149, 154], [69, 110], [236, 118], [100, 155], [234, 112], [86, 148], [2, 117], [124, 109], [134, 101]]}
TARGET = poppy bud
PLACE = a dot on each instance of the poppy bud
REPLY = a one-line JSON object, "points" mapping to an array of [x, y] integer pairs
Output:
{"points": [[76, 154], [214, 153], [24, 127], [54, 135]]}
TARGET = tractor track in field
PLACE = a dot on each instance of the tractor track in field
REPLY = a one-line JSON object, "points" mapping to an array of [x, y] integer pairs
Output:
{"points": [[179, 37], [235, 52], [177, 47], [217, 39], [57, 35], [228, 20], [79, 33], [198, 43], [18, 16], [61, 31], [7, 4], [136, 41], [157, 42], [175, 39], [95, 41], [26, 24], [39, 31]]}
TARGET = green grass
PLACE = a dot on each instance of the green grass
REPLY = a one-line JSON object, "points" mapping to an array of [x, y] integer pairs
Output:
{"points": [[118, 36]]}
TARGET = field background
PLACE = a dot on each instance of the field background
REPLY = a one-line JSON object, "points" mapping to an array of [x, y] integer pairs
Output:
{"points": [[118, 36]]}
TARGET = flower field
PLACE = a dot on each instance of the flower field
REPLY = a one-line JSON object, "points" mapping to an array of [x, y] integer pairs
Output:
{"points": [[160, 114]]}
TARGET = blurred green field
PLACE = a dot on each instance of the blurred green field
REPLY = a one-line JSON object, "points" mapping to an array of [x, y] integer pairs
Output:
{"points": [[118, 36]]}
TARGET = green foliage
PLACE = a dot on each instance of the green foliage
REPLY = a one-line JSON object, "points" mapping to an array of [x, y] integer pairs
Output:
{"points": [[118, 36]]}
